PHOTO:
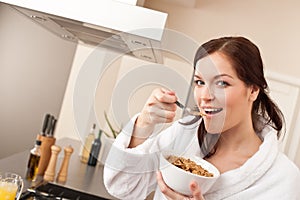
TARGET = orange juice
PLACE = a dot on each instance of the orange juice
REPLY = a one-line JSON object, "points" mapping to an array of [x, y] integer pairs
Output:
{"points": [[8, 190]]}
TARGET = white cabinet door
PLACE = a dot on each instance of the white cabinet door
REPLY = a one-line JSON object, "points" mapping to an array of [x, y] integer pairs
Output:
{"points": [[285, 92]]}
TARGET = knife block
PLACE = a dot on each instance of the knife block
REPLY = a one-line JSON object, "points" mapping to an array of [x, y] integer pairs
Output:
{"points": [[47, 142]]}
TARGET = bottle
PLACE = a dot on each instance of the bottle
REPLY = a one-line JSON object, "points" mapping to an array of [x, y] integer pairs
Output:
{"points": [[33, 162], [85, 153], [95, 150]]}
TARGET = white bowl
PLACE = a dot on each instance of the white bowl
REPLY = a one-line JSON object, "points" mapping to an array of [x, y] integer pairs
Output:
{"points": [[179, 180]]}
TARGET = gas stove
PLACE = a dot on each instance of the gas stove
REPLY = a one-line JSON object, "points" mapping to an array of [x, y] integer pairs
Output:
{"points": [[49, 191]]}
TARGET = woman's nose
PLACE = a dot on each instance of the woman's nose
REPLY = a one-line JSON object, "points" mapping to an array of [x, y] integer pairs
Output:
{"points": [[206, 93]]}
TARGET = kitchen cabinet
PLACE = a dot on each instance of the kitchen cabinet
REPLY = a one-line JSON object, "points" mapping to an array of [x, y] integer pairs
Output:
{"points": [[285, 89]]}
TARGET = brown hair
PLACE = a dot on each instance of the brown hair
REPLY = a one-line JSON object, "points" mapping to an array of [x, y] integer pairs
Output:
{"points": [[246, 60]]}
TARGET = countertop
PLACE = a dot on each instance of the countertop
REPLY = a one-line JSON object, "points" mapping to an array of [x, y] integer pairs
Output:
{"points": [[81, 177]]}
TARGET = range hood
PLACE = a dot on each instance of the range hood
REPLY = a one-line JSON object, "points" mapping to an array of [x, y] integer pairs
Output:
{"points": [[119, 26]]}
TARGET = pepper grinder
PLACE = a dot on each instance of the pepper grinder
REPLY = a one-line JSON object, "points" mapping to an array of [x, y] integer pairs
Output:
{"points": [[63, 172], [50, 171]]}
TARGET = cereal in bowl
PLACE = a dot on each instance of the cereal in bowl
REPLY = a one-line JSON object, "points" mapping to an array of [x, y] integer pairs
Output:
{"points": [[189, 166]]}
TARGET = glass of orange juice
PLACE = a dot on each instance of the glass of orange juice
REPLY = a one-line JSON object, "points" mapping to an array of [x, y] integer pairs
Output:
{"points": [[11, 186]]}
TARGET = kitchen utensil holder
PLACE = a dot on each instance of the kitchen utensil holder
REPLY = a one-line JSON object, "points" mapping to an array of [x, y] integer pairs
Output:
{"points": [[47, 142]]}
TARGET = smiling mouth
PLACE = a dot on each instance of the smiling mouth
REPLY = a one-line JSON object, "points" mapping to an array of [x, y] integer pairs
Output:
{"points": [[212, 111]]}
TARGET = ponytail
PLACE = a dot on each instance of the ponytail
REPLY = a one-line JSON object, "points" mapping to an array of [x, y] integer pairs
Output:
{"points": [[265, 107]]}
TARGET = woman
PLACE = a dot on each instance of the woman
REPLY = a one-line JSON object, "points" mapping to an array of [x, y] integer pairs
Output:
{"points": [[230, 88]]}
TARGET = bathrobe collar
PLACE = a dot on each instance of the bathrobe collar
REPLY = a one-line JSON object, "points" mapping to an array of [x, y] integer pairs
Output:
{"points": [[237, 180]]}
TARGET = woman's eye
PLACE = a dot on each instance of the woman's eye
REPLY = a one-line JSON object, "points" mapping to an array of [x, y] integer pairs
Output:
{"points": [[222, 83], [199, 82]]}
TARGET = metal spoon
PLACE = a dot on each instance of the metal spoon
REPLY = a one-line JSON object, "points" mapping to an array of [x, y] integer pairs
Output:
{"points": [[189, 110]]}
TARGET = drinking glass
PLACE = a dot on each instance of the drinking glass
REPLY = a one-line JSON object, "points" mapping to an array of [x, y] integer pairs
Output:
{"points": [[11, 186]]}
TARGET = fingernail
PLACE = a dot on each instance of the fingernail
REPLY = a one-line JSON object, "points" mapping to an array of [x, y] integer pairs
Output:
{"points": [[194, 185]]}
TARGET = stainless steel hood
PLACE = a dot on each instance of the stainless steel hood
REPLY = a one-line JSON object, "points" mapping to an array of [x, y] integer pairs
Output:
{"points": [[118, 26]]}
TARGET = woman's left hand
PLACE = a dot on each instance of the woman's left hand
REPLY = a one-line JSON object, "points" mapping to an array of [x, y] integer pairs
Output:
{"points": [[172, 195]]}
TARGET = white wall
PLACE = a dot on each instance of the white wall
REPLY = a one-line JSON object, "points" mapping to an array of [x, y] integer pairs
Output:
{"points": [[34, 70], [108, 86], [76, 122]]}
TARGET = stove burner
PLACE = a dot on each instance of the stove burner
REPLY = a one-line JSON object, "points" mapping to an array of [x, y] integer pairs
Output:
{"points": [[51, 191]]}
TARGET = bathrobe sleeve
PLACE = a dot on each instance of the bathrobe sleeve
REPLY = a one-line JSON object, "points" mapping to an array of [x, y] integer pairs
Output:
{"points": [[130, 173]]}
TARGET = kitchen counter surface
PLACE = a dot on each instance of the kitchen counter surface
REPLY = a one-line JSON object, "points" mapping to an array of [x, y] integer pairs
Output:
{"points": [[81, 177]]}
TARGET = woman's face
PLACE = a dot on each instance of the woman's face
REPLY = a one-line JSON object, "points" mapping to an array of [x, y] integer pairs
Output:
{"points": [[218, 92]]}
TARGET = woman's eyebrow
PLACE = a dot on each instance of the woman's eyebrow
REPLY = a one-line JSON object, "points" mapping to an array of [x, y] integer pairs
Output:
{"points": [[196, 76], [216, 77], [222, 75]]}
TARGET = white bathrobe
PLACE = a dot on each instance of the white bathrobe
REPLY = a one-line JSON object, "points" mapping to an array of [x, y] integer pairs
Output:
{"points": [[131, 173]]}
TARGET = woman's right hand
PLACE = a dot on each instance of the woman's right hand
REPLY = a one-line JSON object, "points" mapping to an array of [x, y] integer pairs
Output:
{"points": [[159, 108]]}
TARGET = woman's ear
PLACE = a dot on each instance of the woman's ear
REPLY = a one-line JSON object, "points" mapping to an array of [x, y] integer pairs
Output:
{"points": [[254, 91]]}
